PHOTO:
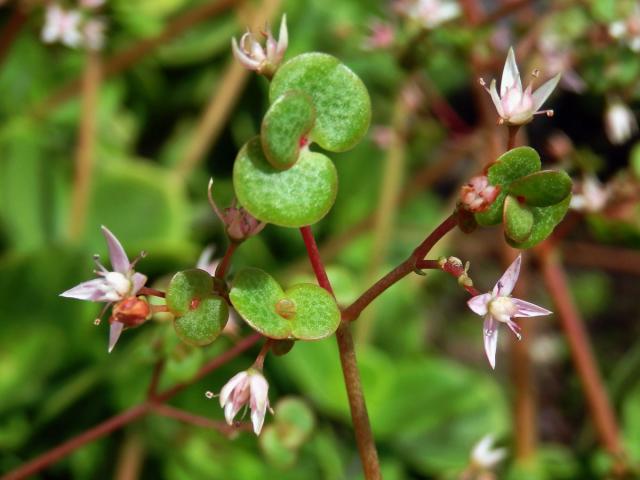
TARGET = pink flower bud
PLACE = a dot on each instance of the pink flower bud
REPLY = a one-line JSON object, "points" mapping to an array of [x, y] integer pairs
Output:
{"points": [[478, 194]]}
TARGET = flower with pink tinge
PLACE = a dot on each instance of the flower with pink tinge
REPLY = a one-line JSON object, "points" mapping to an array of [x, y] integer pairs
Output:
{"points": [[62, 25], [484, 456], [246, 388], [93, 32], [620, 122], [628, 30], [428, 13], [111, 286], [239, 224], [381, 35], [516, 106], [592, 197], [478, 194], [498, 307], [264, 60]]}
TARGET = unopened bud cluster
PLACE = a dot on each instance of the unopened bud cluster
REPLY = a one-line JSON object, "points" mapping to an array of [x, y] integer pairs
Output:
{"points": [[266, 59], [478, 194]]}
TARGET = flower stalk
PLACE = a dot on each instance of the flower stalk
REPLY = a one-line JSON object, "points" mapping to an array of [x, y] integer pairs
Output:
{"points": [[359, 416]]}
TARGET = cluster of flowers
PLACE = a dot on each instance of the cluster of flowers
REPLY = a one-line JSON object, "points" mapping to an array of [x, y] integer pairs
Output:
{"points": [[75, 27]]}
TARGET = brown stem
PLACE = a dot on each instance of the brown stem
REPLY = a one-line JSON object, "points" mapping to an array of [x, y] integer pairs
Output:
{"points": [[12, 29], [504, 10], [602, 257], [200, 421], [155, 379], [259, 363], [102, 429], [130, 458], [130, 56], [151, 291], [118, 421], [223, 266], [85, 149], [512, 136], [390, 190], [357, 405], [583, 357], [524, 406], [405, 268], [452, 268]]}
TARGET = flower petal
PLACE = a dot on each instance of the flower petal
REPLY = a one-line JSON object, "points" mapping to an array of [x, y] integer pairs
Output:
{"points": [[479, 304], [526, 309], [283, 36], [230, 386], [509, 278], [259, 401], [137, 282], [490, 335], [93, 290], [242, 57], [115, 329], [542, 93], [510, 74], [496, 98], [231, 409], [117, 255]]}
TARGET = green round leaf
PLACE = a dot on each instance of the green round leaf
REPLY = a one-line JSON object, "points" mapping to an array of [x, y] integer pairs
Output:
{"points": [[545, 220], [288, 120], [514, 164], [518, 220], [275, 451], [542, 189], [304, 311], [294, 421], [200, 314], [342, 103], [493, 214], [296, 197]]}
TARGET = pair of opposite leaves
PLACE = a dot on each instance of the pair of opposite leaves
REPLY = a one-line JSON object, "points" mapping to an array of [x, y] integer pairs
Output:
{"points": [[531, 201], [305, 311], [315, 98]]}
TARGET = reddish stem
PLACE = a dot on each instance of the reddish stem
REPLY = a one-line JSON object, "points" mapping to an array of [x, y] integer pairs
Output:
{"points": [[454, 269], [200, 421], [118, 421], [405, 268], [583, 357], [223, 266], [359, 416], [525, 401], [151, 291], [64, 449], [11, 29]]}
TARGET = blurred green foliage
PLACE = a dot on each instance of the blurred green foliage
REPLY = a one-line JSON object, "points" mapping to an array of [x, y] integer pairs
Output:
{"points": [[429, 391]]}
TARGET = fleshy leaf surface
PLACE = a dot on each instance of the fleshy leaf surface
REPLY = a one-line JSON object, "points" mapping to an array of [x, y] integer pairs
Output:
{"points": [[288, 120], [518, 220], [493, 214], [542, 189], [514, 164], [296, 197], [200, 314], [545, 220], [304, 311], [341, 100]]}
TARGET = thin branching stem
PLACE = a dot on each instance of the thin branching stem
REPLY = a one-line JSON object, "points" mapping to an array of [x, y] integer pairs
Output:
{"points": [[398, 273], [128, 416], [359, 416]]}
